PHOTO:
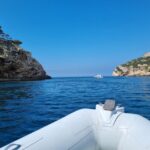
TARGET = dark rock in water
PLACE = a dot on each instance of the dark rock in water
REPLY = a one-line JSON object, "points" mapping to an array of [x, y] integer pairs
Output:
{"points": [[16, 64]]}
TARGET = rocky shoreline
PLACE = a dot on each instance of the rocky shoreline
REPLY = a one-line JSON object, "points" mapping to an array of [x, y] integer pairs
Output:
{"points": [[17, 64], [136, 67]]}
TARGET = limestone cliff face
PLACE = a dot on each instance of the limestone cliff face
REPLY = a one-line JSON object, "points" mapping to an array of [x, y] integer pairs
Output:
{"points": [[18, 64], [136, 67]]}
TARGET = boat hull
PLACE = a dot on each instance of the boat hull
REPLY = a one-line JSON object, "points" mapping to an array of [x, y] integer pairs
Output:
{"points": [[90, 129]]}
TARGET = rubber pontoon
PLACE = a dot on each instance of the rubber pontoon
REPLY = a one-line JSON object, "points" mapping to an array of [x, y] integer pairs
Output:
{"points": [[105, 128]]}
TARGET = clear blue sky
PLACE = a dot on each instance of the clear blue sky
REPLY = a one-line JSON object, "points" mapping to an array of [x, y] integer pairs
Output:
{"points": [[79, 37]]}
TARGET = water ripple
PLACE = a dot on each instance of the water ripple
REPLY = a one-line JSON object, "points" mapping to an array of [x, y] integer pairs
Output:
{"points": [[28, 106]]}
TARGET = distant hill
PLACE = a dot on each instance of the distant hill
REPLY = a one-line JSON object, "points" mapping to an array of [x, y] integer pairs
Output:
{"points": [[135, 67]]}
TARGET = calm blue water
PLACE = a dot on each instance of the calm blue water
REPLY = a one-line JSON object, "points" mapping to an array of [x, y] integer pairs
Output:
{"points": [[28, 106]]}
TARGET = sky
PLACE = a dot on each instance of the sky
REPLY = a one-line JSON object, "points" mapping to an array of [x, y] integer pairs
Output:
{"points": [[79, 37]]}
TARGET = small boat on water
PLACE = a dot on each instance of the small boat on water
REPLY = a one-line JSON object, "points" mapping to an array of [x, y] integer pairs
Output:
{"points": [[98, 76], [107, 127]]}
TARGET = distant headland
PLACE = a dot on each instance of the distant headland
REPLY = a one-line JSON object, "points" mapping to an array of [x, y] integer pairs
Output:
{"points": [[135, 67], [16, 64]]}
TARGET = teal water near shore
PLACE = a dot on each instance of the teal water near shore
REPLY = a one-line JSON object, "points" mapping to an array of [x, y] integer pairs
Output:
{"points": [[28, 106]]}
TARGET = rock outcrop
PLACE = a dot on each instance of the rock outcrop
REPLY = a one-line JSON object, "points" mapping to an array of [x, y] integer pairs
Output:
{"points": [[16, 64], [136, 67]]}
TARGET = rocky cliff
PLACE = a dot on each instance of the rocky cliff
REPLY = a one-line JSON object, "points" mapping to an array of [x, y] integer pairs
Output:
{"points": [[17, 64], [136, 67]]}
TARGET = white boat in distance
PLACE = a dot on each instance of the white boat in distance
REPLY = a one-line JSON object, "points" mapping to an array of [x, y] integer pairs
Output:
{"points": [[107, 127], [98, 76]]}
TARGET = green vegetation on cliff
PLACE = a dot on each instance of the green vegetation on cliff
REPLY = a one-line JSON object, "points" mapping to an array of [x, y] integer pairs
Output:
{"points": [[135, 67], [136, 62]]}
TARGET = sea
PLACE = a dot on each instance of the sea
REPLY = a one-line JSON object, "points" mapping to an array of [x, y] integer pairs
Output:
{"points": [[28, 106]]}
